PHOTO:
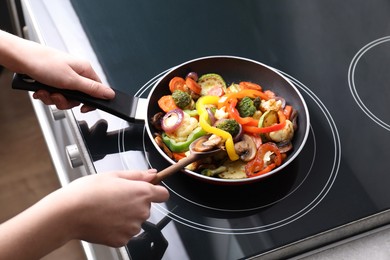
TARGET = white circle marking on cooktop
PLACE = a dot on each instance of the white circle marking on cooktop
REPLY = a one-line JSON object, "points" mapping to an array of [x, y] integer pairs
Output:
{"points": [[351, 80]]}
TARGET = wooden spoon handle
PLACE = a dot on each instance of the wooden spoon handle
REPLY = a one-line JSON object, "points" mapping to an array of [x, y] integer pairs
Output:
{"points": [[176, 167]]}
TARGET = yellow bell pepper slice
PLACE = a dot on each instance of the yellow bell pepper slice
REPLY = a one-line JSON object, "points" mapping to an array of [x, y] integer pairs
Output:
{"points": [[203, 121]]}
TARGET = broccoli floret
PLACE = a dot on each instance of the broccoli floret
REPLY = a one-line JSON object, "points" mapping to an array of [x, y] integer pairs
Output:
{"points": [[182, 99], [229, 125], [246, 107]]}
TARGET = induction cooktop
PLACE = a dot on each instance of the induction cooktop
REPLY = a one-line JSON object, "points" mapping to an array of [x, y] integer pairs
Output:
{"points": [[336, 53]]}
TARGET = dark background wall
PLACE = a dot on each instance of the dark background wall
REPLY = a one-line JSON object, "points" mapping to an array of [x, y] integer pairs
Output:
{"points": [[5, 22]]}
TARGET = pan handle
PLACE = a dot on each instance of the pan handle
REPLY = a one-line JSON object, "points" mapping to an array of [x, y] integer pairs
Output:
{"points": [[123, 105]]}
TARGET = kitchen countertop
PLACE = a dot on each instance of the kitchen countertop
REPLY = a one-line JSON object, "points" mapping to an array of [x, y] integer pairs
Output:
{"points": [[65, 32]]}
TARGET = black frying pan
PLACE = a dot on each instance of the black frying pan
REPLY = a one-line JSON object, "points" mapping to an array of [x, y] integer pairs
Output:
{"points": [[231, 68]]}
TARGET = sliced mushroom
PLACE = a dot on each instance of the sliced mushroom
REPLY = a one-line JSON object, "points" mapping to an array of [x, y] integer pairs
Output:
{"points": [[214, 141], [205, 143], [156, 120], [246, 148], [160, 143]]}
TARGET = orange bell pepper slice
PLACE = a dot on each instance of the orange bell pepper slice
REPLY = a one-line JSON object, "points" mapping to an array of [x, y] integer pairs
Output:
{"points": [[241, 94]]}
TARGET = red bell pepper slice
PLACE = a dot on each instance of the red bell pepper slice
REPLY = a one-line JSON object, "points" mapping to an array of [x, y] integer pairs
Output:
{"points": [[250, 85], [233, 113], [256, 167], [261, 130], [287, 111]]}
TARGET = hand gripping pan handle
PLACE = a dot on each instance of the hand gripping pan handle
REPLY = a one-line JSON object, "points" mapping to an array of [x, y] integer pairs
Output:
{"points": [[123, 105]]}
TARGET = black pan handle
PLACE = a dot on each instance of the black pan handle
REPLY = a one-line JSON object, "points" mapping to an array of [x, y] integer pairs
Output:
{"points": [[123, 105]]}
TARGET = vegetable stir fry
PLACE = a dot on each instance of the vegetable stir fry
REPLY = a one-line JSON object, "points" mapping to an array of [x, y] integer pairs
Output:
{"points": [[254, 126]]}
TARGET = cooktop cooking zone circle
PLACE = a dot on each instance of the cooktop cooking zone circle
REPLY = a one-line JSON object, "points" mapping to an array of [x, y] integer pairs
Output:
{"points": [[265, 205], [368, 71]]}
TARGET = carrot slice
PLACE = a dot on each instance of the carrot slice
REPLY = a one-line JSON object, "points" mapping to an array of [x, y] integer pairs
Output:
{"points": [[177, 83], [191, 84], [166, 103]]}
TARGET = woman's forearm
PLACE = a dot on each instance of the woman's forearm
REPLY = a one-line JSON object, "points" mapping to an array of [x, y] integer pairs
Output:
{"points": [[8, 51], [105, 208], [52, 67], [38, 230], [11, 51]]}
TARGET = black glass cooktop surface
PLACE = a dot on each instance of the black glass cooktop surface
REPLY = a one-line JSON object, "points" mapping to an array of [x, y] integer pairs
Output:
{"points": [[336, 53]]}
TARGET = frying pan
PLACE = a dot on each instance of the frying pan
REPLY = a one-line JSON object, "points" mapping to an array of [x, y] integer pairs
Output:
{"points": [[231, 68]]}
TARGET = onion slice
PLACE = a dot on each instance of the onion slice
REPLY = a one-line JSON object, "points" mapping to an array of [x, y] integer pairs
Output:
{"points": [[172, 120], [211, 116], [238, 136], [193, 75]]}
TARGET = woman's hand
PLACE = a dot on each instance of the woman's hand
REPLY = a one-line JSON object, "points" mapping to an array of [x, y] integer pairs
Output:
{"points": [[66, 72], [53, 68], [105, 208], [109, 208]]}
